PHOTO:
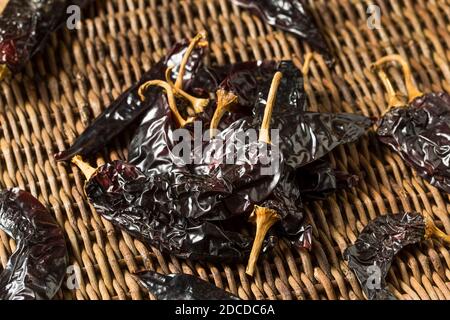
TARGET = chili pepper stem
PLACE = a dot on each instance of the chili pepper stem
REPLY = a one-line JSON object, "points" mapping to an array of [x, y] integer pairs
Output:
{"points": [[225, 100], [264, 135], [4, 71], [85, 167], [431, 231], [197, 40], [264, 218], [176, 89], [394, 99], [170, 97], [198, 104], [413, 92], [2, 7]]}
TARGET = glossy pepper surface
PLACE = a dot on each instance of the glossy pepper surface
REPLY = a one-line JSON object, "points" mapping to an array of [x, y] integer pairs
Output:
{"points": [[37, 267], [419, 130]]}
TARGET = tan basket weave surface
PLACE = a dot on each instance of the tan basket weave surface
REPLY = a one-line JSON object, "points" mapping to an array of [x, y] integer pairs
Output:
{"points": [[80, 72]]}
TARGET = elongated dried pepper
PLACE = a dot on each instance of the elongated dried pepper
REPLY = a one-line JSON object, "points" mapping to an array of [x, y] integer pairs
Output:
{"points": [[128, 107], [25, 26], [292, 16], [37, 267], [418, 130], [372, 254], [180, 287], [156, 209]]}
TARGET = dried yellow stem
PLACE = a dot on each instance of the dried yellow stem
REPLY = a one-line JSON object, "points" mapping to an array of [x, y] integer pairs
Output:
{"points": [[413, 92], [431, 231], [265, 125], [4, 71], [198, 104], [170, 98], [199, 40], [264, 218], [3, 4], [85, 167], [225, 100], [394, 99]]}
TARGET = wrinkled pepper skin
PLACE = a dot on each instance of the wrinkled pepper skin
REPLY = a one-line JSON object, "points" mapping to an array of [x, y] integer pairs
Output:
{"points": [[26, 25], [180, 287], [37, 267], [318, 180], [161, 210], [306, 136], [372, 254], [128, 107], [292, 16], [420, 133]]}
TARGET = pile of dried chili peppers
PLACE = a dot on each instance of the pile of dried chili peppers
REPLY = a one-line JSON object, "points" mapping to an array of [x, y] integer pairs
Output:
{"points": [[418, 128], [188, 202], [219, 151]]}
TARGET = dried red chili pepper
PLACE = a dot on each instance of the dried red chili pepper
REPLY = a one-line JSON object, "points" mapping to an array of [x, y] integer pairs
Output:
{"points": [[292, 16], [180, 287], [156, 209], [418, 130], [37, 267], [372, 254], [25, 26], [128, 107]]}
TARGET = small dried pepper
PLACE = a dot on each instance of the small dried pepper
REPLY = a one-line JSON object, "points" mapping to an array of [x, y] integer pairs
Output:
{"points": [[180, 287], [418, 130], [372, 254], [37, 267], [25, 25], [292, 16]]}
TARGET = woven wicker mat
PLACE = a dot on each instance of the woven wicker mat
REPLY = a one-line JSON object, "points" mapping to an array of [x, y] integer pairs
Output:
{"points": [[80, 72]]}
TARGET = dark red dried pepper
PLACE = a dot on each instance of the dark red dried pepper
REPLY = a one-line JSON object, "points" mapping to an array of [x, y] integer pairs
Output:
{"points": [[292, 16], [25, 26], [180, 287], [37, 267], [157, 209], [372, 254], [418, 130]]}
